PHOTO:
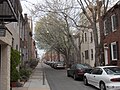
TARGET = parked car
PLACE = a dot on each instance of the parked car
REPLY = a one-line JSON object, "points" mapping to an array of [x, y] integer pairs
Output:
{"points": [[59, 65], [104, 77], [77, 70], [53, 63]]}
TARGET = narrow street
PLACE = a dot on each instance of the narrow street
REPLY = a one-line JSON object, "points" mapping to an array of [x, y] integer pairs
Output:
{"points": [[58, 80]]}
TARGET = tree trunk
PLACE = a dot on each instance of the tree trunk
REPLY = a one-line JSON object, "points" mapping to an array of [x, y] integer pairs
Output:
{"points": [[95, 32], [58, 54]]}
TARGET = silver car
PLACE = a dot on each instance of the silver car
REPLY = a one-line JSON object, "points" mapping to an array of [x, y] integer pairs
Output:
{"points": [[104, 77]]}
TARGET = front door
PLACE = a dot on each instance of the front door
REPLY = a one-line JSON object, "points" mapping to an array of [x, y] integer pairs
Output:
{"points": [[106, 56]]}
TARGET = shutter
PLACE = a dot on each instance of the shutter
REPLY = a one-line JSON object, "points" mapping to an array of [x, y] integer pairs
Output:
{"points": [[117, 50], [110, 53], [109, 25], [116, 21]]}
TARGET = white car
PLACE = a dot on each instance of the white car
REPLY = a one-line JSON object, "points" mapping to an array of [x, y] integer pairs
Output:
{"points": [[104, 77]]}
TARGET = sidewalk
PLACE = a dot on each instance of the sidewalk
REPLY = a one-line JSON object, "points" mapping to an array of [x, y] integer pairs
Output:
{"points": [[36, 81]]}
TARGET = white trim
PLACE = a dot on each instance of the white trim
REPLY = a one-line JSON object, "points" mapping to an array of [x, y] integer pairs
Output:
{"points": [[113, 43], [106, 53]]}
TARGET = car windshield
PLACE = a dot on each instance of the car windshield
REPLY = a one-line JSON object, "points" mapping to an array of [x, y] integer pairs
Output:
{"points": [[83, 66], [112, 70]]}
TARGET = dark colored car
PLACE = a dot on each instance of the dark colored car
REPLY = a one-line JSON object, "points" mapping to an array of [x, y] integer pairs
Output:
{"points": [[77, 70]]}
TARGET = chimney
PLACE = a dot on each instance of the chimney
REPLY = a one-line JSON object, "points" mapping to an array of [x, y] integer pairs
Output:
{"points": [[26, 18]]}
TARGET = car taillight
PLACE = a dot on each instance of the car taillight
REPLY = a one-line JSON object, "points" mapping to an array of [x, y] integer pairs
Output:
{"points": [[115, 79], [80, 71]]}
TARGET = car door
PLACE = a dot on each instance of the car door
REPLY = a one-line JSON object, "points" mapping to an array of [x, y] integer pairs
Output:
{"points": [[95, 76], [90, 77]]}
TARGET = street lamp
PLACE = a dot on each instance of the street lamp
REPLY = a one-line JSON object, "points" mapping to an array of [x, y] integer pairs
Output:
{"points": [[47, 32]]}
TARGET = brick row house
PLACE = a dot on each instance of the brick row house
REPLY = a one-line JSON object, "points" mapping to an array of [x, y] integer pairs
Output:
{"points": [[110, 35], [15, 32]]}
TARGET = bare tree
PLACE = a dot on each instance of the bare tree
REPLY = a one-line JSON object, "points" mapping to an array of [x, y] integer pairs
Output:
{"points": [[50, 33], [93, 10], [69, 11], [66, 11]]}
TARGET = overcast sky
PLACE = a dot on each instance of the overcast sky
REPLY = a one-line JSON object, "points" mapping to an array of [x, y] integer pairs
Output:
{"points": [[27, 4]]}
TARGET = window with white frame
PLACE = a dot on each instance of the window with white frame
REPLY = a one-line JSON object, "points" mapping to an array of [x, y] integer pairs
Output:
{"points": [[114, 22], [105, 28], [114, 50]]}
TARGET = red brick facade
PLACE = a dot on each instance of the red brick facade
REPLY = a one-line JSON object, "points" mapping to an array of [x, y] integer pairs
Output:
{"points": [[111, 37]]}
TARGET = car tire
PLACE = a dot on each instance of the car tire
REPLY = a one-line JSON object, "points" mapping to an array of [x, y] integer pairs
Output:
{"points": [[85, 81], [102, 86]]}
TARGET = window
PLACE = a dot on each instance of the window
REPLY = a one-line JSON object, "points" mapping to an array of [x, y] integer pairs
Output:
{"points": [[85, 37], [91, 37], [112, 70], [105, 28], [16, 47], [91, 54], [114, 22], [86, 54], [114, 51], [97, 71]]}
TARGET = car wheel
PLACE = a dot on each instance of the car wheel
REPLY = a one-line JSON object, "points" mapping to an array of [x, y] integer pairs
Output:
{"points": [[102, 86], [85, 81]]}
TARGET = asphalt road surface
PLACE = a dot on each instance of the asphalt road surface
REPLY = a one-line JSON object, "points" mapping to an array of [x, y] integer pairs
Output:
{"points": [[58, 80]]}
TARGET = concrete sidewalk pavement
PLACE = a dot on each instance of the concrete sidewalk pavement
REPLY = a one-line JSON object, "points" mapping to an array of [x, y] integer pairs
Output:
{"points": [[37, 80]]}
